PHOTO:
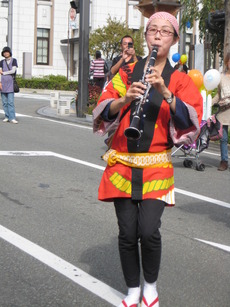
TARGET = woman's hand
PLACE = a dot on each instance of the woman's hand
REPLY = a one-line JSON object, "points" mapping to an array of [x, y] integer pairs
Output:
{"points": [[155, 79], [135, 91]]}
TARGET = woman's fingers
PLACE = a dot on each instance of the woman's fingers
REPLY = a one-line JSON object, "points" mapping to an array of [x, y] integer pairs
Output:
{"points": [[155, 79], [137, 88], [135, 91]]}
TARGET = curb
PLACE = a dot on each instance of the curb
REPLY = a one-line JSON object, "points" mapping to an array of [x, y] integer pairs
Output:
{"points": [[52, 114], [46, 92]]}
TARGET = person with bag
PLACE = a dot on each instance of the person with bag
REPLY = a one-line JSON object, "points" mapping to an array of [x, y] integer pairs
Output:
{"points": [[223, 99], [8, 68], [139, 176], [98, 68]]}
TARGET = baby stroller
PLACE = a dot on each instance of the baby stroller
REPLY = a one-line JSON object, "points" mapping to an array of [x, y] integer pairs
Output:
{"points": [[208, 131], [192, 152]]}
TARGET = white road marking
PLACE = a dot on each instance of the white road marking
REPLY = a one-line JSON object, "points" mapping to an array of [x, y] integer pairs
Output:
{"points": [[63, 267], [54, 121], [204, 198], [220, 246], [95, 166], [33, 96], [79, 161], [64, 123], [26, 153], [86, 127], [211, 153], [51, 154], [17, 114], [72, 272]]}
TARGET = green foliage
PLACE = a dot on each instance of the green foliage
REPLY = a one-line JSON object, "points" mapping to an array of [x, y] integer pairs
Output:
{"points": [[107, 39], [52, 82], [49, 82], [214, 92], [198, 10], [94, 94]]}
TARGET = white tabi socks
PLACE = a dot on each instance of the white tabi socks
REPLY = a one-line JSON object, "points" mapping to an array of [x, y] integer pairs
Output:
{"points": [[150, 295], [132, 298]]}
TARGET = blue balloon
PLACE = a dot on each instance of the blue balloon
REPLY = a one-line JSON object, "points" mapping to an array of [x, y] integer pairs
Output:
{"points": [[188, 24], [176, 57]]}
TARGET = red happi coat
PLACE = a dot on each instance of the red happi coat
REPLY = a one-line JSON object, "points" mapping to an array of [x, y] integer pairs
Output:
{"points": [[158, 130]]}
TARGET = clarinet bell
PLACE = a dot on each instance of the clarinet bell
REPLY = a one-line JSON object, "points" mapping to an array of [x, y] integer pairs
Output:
{"points": [[132, 132]]}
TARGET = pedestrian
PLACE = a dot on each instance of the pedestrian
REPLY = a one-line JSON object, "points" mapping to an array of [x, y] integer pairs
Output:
{"points": [[223, 99], [127, 55], [139, 174], [97, 67], [8, 68], [181, 67]]}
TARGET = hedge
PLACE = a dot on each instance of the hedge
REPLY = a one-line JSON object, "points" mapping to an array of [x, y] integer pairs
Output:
{"points": [[50, 82]]}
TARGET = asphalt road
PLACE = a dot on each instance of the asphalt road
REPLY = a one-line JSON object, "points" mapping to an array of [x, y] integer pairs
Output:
{"points": [[58, 243]]}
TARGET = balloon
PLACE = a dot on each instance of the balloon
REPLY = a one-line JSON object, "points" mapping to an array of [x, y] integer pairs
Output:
{"points": [[196, 77], [211, 79], [183, 58], [188, 24], [176, 57], [202, 88]]}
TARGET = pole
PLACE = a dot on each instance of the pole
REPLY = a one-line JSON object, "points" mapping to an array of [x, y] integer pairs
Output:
{"points": [[83, 58], [10, 24], [67, 59]]}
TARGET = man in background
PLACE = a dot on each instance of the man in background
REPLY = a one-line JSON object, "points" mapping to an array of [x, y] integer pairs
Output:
{"points": [[127, 55]]}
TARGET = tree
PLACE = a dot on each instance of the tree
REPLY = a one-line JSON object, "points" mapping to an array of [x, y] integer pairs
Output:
{"points": [[203, 10], [107, 39], [227, 27]]}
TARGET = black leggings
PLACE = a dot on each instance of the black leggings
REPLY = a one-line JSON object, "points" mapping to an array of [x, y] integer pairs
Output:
{"points": [[139, 221], [99, 82]]}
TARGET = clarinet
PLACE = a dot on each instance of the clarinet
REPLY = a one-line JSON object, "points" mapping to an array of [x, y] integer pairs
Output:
{"points": [[133, 131]]}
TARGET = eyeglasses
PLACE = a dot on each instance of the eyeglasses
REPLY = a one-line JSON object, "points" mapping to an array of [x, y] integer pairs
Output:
{"points": [[163, 32]]}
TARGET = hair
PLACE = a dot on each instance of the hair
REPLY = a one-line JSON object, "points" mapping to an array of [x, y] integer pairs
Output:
{"points": [[226, 59], [166, 16], [185, 68], [98, 54], [126, 36], [6, 49]]}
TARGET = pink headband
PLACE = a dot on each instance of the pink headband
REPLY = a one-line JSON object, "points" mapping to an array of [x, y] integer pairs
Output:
{"points": [[166, 16]]}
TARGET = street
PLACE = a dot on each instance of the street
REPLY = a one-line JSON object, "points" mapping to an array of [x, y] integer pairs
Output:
{"points": [[58, 243]]}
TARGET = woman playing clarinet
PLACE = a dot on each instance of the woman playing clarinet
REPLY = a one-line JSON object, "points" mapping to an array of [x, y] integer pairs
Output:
{"points": [[139, 176]]}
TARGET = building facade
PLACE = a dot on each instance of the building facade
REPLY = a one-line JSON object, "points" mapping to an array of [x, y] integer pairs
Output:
{"points": [[45, 33], [40, 26]]}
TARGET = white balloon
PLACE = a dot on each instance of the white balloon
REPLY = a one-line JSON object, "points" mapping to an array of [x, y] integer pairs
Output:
{"points": [[211, 79]]}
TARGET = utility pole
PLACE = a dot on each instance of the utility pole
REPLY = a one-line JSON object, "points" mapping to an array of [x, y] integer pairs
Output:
{"points": [[10, 24], [67, 73], [83, 74]]}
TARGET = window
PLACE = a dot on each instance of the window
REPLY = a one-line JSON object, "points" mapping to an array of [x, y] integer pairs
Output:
{"points": [[43, 37]]}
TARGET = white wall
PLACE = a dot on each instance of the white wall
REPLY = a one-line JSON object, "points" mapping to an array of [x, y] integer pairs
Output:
{"points": [[23, 30], [3, 27], [101, 9]]}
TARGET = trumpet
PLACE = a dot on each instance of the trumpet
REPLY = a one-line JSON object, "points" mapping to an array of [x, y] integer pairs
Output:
{"points": [[133, 131]]}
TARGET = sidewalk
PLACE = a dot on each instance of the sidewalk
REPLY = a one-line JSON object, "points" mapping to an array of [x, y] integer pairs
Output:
{"points": [[50, 112]]}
